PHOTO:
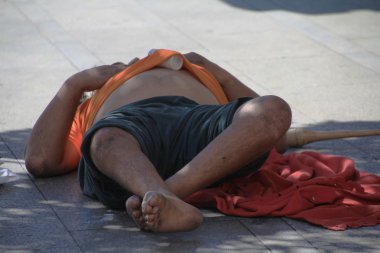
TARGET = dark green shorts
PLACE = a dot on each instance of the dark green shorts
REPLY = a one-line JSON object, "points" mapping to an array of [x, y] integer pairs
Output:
{"points": [[171, 131]]}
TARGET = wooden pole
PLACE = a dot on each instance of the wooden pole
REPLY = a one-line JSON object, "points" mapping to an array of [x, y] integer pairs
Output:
{"points": [[297, 137]]}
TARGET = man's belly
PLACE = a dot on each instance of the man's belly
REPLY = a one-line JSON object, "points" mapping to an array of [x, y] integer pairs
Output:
{"points": [[157, 82]]}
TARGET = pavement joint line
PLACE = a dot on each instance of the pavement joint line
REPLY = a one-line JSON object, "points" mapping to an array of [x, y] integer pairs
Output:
{"points": [[173, 25], [253, 234], [283, 221], [56, 215], [40, 192], [323, 36], [310, 120], [298, 232], [69, 48], [12, 153], [48, 30]]}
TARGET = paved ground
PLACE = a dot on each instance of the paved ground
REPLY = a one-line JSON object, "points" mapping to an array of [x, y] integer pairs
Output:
{"points": [[322, 56]]}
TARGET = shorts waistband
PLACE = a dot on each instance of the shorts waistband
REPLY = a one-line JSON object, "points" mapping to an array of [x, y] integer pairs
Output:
{"points": [[166, 100]]}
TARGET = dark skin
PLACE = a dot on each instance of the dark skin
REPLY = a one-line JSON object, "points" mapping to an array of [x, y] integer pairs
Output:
{"points": [[257, 126], [45, 148], [44, 151]]}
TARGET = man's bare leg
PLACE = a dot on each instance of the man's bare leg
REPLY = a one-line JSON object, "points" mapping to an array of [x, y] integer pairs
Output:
{"points": [[256, 127], [118, 155]]}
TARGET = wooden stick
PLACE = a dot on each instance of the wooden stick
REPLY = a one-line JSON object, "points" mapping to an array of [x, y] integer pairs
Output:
{"points": [[297, 137]]}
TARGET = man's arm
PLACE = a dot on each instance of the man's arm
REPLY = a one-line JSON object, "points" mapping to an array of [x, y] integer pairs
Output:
{"points": [[45, 148], [231, 85]]}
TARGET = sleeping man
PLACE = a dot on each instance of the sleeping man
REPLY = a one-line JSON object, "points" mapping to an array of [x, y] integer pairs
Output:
{"points": [[150, 136]]}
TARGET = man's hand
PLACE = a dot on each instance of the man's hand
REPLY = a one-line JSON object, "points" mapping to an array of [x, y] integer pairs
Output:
{"points": [[220, 74], [195, 58], [94, 78], [198, 59], [231, 85]]}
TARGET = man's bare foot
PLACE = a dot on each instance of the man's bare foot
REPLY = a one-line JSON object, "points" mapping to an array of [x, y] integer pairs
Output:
{"points": [[133, 206], [166, 213]]}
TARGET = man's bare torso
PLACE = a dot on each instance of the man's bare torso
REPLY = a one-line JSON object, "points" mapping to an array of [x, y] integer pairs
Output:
{"points": [[157, 82]]}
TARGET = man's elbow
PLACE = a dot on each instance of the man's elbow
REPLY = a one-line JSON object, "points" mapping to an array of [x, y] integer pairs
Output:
{"points": [[40, 167], [35, 166]]}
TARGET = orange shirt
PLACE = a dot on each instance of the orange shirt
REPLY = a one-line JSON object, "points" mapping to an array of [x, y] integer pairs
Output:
{"points": [[86, 112]]}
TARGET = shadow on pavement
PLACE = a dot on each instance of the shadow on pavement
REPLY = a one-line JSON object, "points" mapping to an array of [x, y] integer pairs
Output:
{"points": [[307, 7], [14, 141]]}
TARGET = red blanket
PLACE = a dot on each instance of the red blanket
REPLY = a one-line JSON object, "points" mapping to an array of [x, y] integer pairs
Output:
{"points": [[322, 189]]}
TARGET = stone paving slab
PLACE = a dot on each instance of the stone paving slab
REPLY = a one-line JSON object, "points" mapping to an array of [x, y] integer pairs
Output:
{"points": [[286, 239], [226, 236], [352, 240], [323, 57], [26, 222]]}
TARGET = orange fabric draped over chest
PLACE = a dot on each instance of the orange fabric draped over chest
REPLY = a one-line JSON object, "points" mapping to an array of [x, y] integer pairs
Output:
{"points": [[87, 111]]}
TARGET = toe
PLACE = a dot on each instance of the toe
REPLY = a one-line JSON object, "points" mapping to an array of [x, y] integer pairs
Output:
{"points": [[152, 198], [133, 206], [134, 202], [152, 202], [149, 218], [136, 214], [148, 203]]}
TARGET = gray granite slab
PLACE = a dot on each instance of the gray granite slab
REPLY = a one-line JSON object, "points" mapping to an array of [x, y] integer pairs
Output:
{"points": [[372, 44], [78, 212], [351, 25], [331, 39], [351, 240], [75, 210], [27, 224], [277, 235], [328, 83], [321, 56], [228, 236]]}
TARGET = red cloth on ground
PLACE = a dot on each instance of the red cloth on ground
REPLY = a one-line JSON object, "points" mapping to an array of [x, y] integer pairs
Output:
{"points": [[322, 189]]}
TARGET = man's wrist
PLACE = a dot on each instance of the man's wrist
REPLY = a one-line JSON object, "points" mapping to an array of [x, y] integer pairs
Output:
{"points": [[72, 90], [220, 74]]}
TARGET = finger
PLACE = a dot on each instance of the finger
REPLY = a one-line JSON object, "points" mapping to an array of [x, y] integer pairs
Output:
{"points": [[134, 60], [152, 51], [119, 66], [195, 58], [119, 63], [113, 69], [191, 56], [102, 73]]}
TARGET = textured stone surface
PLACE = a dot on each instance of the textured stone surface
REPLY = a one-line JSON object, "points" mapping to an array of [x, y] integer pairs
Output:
{"points": [[226, 236], [323, 57]]}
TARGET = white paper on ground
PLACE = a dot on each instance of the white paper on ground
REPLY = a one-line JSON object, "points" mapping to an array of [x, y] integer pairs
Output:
{"points": [[7, 176]]}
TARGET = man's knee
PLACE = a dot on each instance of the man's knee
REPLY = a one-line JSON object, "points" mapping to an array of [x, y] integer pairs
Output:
{"points": [[106, 140], [278, 109], [102, 139], [271, 112]]}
